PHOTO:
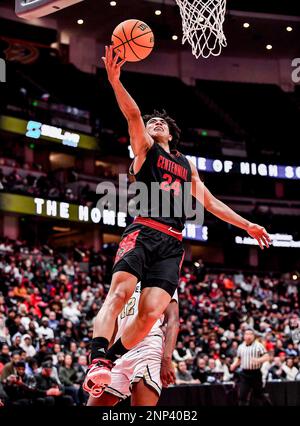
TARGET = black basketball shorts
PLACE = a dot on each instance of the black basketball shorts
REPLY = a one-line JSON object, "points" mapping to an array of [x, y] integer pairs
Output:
{"points": [[153, 253]]}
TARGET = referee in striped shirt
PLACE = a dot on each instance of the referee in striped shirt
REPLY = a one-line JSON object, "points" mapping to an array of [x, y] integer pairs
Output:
{"points": [[251, 354]]}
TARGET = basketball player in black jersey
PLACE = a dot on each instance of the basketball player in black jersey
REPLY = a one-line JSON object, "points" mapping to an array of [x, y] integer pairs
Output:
{"points": [[151, 249]]}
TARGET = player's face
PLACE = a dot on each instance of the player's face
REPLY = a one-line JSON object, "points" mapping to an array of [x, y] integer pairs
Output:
{"points": [[158, 128]]}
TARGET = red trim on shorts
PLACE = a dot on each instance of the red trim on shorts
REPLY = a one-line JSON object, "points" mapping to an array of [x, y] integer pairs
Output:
{"points": [[128, 243], [159, 227], [181, 262]]}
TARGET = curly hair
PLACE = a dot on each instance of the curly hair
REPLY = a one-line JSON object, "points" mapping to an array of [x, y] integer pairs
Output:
{"points": [[173, 128]]}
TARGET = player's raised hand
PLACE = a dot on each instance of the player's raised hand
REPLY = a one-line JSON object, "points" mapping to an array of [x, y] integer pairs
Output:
{"points": [[259, 234], [113, 67]]}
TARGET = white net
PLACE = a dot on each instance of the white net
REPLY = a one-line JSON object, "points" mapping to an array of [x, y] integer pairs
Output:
{"points": [[202, 25]]}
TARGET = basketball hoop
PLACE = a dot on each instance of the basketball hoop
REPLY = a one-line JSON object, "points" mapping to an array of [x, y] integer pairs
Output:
{"points": [[202, 26]]}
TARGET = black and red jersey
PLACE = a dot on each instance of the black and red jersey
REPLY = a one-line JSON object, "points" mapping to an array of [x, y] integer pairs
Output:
{"points": [[165, 175]]}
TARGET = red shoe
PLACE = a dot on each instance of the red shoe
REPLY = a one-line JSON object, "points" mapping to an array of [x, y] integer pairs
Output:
{"points": [[98, 377]]}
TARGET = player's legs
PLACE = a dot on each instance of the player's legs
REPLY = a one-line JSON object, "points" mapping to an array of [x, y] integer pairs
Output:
{"points": [[156, 259], [124, 280], [159, 284], [98, 375], [143, 395], [153, 303], [105, 400], [121, 289], [146, 382], [154, 300]]}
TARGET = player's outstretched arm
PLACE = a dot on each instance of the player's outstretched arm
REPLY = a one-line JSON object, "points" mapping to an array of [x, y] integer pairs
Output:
{"points": [[140, 140], [223, 212], [172, 319]]}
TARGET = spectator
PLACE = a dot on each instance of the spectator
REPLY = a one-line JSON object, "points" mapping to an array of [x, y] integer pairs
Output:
{"points": [[56, 350], [26, 345], [214, 374], [226, 376], [16, 340], [291, 351], [4, 333], [232, 351], [31, 367], [4, 354], [53, 322], [192, 349], [265, 368], [3, 396], [279, 347], [81, 368], [46, 383], [10, 321], [276, 371], [42, 353], [68, 377], [181, 353], [20, 387], [69, 269], [200, 372], [290, 370], [183, 377], [10, 368], [73, 349], [60, 360], [70, 312], [44, 331], [282, 356]]}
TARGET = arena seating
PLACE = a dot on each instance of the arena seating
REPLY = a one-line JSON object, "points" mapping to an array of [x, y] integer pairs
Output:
{"points": [[53, 296]]}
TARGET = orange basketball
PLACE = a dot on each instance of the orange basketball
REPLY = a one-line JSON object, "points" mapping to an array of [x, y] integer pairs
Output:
{"points": [[133, 39]]}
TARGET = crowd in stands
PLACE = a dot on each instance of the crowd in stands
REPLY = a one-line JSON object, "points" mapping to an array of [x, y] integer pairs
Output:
{"points": [[48, 300], [33, 181], [216, 309], [32, 184]]}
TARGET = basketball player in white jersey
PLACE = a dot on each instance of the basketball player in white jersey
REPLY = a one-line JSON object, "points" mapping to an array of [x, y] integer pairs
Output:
{"points": [[147, 367]]}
